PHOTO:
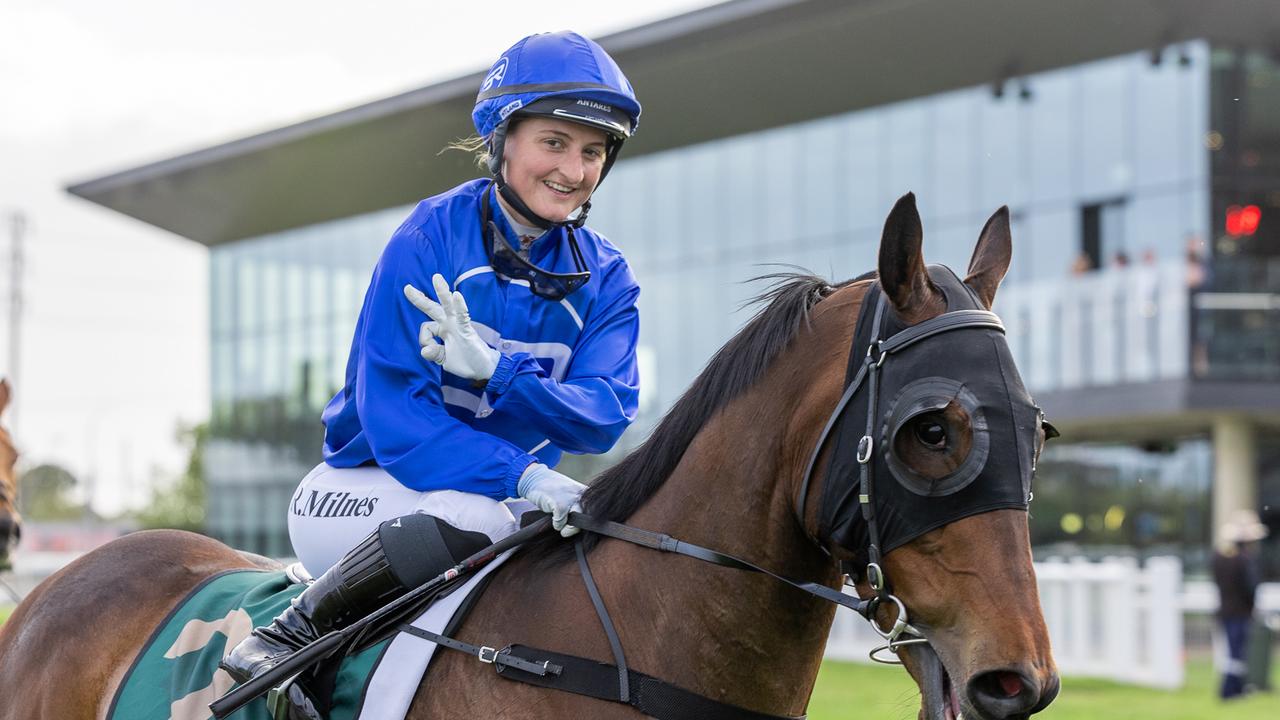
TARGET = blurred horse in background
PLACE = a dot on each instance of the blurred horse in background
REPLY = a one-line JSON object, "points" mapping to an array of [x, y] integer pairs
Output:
{"points": [[10, 520]]}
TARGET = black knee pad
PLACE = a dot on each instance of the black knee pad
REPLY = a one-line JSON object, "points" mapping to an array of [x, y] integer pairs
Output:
{"points": [[419, 547]]}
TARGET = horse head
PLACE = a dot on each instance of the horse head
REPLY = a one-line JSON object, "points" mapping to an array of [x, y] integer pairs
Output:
{"points": [[10, 521], [928, 484]]}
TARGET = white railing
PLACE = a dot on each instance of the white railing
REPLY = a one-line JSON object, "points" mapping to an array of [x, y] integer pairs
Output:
{"points": [[1110, 619], [1114, 620], [1107, 327]]}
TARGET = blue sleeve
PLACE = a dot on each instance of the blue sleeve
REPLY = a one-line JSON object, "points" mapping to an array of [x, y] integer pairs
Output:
{"points": [[398, 394], [598, 398]]}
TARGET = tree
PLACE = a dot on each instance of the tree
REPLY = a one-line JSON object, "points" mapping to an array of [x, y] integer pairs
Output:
{"points": [[45, 494], [181, 505]]}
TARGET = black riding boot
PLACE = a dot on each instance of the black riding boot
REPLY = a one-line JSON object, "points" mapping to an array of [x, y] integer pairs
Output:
{"points": [[400, 555], [359, 584]]}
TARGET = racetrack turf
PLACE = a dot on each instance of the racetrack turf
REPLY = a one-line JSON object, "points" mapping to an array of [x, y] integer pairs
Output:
{"points": [[849, 691]]}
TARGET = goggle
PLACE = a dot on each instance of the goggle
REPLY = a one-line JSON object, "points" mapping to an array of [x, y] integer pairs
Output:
{"points": [[510, 264]]}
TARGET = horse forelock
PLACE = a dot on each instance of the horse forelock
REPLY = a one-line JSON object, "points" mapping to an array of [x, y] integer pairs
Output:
{"points": [[734, 369]]}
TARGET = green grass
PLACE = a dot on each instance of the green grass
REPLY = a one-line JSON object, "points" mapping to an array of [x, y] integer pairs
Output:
{"points": [[4, 612], [847, 691]]}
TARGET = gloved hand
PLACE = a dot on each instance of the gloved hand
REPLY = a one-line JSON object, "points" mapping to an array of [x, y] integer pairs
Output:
{"points": [[462, 353], [552, 493]]}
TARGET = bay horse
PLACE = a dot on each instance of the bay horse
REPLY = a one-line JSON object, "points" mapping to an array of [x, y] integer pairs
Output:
{"points": [[725, 469], [10, 520]]}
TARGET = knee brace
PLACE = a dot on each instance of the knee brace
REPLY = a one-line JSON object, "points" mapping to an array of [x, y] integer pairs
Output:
{"points": [[419, 547]]}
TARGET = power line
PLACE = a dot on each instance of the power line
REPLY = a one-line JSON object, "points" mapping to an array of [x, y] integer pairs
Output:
{"points": [[17, 230]]}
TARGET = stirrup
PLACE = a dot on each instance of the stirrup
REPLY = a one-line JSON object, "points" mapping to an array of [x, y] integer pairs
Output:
{"points": [[289, 701], [298, 574]]}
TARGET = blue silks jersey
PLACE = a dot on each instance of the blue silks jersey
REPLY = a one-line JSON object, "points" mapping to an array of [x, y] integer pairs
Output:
{"points": [[567, 380]]}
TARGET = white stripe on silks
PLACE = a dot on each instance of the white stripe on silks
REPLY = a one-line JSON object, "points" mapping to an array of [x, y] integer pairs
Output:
{"points": [[472, 273], [460, 397], [539, 446], [568, 306], [573, 312]]}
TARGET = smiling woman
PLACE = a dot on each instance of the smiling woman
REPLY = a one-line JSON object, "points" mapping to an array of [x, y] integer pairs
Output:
{"points": [[554, 165]]}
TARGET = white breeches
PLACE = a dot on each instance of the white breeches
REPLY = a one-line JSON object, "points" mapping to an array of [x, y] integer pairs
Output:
{"points": [[333, 509]]}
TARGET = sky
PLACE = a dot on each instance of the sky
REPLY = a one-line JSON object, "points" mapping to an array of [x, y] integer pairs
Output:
{"points": [[114, 330]]}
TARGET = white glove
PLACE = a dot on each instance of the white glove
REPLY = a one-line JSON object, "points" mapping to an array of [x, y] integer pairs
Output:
{"points": [[553, 493], [462, 353]]}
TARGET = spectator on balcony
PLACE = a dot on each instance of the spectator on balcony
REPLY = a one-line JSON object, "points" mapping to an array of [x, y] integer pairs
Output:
{"points": [[1235, 571], [1197, 272]]}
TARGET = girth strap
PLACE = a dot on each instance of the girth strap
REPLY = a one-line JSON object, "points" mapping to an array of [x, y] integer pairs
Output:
{"points": [[666, 543], [648, 694]]}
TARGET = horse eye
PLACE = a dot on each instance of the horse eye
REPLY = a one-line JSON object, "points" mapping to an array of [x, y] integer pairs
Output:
{"points": [[931, 433]]}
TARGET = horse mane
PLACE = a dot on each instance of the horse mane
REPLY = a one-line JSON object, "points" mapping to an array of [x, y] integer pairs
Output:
{"points": [[735, 368]]}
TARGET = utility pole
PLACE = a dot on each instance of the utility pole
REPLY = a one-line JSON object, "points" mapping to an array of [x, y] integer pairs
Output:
{"points": [[17, 228]]}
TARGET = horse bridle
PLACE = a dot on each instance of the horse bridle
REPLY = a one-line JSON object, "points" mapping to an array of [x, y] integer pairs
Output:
{"points": [[877, 353]]}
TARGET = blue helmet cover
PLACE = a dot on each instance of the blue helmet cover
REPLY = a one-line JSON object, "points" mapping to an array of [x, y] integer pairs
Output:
{"points": [[562, 64]]}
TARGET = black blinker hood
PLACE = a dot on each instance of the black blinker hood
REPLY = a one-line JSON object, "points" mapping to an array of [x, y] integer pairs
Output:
{"points": [[971, 366]]}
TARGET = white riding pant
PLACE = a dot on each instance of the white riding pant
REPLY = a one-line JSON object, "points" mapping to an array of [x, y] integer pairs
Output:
{"points": [[333, 509]]}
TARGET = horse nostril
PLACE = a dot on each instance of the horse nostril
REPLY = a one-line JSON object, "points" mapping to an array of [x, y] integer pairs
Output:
{"points": [[1010, 683], [1003, 693]]}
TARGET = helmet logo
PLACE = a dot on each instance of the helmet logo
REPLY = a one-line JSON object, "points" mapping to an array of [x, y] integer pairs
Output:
{"points": [[495, 75], [509, 108], [597, 105]]}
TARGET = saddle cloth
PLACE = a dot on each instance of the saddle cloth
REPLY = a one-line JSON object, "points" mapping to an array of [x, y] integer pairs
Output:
{"points": [[176, 674]]}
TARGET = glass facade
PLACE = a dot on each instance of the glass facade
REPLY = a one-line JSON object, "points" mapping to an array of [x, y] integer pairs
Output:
{"points": [[1103, 164], [1099, 500], [1237, 320]]}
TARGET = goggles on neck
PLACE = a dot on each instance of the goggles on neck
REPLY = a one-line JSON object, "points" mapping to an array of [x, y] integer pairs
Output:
{"points": [[508, 263]]}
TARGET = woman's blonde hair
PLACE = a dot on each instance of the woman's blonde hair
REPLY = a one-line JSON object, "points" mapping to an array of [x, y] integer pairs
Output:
{"points": [[474, 144]]}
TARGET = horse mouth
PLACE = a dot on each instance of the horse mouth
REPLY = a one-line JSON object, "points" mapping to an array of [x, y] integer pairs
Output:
{"points": [[938, 697]]}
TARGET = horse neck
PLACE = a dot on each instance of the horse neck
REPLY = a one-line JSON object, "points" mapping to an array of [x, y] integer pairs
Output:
{"points": [[750, 637]]}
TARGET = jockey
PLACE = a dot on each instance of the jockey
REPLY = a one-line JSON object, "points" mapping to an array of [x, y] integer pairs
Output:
{"points": [[528, 351]]}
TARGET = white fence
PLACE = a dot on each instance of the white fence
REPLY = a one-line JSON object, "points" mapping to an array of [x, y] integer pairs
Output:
{"points": [[1111, 619]]}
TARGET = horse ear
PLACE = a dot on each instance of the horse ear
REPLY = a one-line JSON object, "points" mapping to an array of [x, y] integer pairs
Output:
{"points": [[991, 257], [902, 272]]}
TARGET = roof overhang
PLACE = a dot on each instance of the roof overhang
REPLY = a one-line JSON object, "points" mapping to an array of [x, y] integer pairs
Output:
{"points": [[728, 69]]}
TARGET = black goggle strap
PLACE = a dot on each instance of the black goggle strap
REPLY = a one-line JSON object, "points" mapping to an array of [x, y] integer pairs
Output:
{"points": [[569, 281]]}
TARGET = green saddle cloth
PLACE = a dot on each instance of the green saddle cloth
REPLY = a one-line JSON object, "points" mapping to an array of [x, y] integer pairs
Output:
{"points": [[176, 675]]}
